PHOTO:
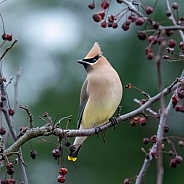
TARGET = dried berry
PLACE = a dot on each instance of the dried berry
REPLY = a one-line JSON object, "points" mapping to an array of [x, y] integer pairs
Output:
{"points": [[33, 154], [153, 139], [146, 140], [11, 112], [142, 35], [56, 153], [97, 17], [139, 21], [119, 1], [169, 32], [174, 5], [173, 163], [168, 13], [91, 5], [166, 129]]}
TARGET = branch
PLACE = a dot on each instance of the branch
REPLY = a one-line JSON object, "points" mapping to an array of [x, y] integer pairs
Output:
{"points": [[48, 130]]}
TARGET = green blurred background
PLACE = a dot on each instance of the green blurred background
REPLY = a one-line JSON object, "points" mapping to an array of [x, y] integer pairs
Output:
{"points": [[52, 36]]}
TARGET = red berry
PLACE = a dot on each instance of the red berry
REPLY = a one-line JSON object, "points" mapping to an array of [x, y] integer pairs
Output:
{"points": [[166, 129], [171, 43], [2, 131], [142, 121], [174, 100], [63, 171], [152, 39], [91, 5], [11, 112], [114, 25], [142, 35], [132, 18], [150, 55], [179, 108], [61, 179], [97, 17], [149, 10], [105, 4], [102, 14], [181, 45], [125, 27], [153, 154], [139, 21], [111, 18], [33, 154], [104, 24], [169, 32]]}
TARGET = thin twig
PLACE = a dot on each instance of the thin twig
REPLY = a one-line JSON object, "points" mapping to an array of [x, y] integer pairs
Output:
{"points": [[7, 49]]}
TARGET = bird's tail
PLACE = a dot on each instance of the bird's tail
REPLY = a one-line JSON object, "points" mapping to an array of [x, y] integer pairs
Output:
{"points": [[77, 144], [73, 154]]}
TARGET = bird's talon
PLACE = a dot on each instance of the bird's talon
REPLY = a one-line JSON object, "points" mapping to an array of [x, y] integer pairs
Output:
{"points": [[113, 122]]}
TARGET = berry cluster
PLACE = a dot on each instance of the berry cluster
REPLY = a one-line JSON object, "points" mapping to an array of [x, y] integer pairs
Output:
{"points": [[62, 172], [109, 20], [10, 171], [176, 98], [138, 120]]}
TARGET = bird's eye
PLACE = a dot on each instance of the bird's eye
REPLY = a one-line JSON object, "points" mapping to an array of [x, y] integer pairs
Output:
{"points": [[94, 60]]}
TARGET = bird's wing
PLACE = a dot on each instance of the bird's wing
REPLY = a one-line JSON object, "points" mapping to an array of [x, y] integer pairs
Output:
{"points": [[83, 100]]}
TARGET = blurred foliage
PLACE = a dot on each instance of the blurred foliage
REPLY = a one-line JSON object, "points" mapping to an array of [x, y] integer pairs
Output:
{"points": [[121, 155]]}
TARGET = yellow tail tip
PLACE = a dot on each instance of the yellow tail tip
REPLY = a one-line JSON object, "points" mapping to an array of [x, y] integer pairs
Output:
{"points": [[72, 158]]}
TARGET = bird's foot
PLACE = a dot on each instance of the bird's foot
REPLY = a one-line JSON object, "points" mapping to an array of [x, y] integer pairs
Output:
{"points": [[113, 122], [97, 129]]}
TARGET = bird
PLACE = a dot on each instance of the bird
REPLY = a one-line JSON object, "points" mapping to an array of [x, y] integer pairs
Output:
{"points": [[101, 94]]}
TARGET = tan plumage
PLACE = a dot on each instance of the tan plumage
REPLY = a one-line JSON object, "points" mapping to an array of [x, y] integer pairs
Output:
{"points": [[101, 94]]}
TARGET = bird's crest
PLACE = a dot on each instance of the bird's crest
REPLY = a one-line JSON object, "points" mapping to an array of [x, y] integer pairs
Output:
{"points": [[96, 50]]}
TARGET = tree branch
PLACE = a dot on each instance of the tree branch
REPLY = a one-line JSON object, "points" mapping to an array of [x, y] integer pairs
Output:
{"points": [[48, 130]]}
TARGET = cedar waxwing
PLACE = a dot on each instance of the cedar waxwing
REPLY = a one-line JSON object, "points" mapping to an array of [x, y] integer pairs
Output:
{"points": [[101, 94]]}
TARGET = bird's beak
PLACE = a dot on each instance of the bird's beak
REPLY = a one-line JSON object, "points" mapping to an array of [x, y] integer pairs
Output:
{"points": [[81, 62]]}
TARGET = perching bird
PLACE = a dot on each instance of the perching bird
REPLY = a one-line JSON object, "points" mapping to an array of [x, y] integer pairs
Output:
{"points": [[101, 94]]}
